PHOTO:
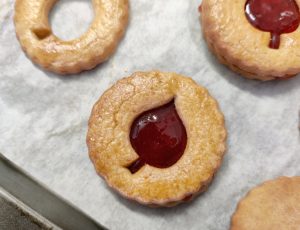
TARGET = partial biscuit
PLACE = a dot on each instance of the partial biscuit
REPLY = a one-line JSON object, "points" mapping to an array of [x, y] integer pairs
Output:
{"points": [[243, 48], [272, 205]]}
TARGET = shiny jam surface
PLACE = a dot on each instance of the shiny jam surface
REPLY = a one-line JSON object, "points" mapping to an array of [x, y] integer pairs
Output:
{"points": [[274, 16], [159, 138]]}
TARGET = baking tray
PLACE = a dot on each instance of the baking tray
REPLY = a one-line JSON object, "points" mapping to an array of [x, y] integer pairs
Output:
{"points": [[26, 204], [16, 215], [44, 116]]}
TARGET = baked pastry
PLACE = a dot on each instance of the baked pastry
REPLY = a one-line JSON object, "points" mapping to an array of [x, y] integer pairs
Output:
{"points": [[156, 138], [67, 57], [259, 39], [272, 205]]}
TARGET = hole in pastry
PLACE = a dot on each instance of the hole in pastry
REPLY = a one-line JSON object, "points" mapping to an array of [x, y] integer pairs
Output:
{"points": [[41, 33], [274, 16], [70, 19], [159, 138]]}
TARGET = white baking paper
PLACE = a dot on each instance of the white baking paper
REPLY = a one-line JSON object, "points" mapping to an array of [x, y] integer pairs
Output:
{"points": [[43, 116]]}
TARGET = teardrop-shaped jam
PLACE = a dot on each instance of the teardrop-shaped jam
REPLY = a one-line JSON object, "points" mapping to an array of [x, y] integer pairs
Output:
{"points": [[159, 138], [274, 16]]}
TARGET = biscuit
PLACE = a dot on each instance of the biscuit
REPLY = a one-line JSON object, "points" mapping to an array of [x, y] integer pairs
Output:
{"points": [[112, 153]]}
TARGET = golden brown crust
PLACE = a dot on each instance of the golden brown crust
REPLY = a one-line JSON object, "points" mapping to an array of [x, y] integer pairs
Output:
{"points": [[243, 48], [272, 205], [67, 57], [111, 151]]}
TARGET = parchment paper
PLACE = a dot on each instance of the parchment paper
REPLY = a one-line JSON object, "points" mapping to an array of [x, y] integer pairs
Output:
{"points": [[43, 116]]}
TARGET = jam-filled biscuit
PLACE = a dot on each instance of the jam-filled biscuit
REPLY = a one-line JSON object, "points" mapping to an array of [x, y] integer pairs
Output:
{"points": [[157, 138], [67, 57], [272, 205], [260, 39]]}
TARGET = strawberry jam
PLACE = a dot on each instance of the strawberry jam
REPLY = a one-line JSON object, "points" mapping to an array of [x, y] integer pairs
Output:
{"points": [[274, 16], [159, 138]]}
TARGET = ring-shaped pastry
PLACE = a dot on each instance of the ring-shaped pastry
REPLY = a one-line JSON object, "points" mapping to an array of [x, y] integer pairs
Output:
{"points": [[111, 151], [67, 57], [244, 48]]}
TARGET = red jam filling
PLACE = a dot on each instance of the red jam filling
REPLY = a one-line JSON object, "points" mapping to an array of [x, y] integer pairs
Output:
{"points": [[274, 16], [159, 138]]}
